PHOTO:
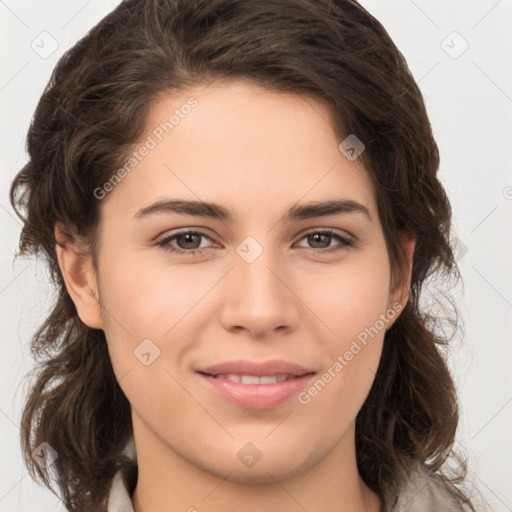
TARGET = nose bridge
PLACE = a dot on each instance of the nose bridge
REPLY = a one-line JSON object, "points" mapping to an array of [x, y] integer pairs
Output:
{"points": [[257, 297], [257, 264]]}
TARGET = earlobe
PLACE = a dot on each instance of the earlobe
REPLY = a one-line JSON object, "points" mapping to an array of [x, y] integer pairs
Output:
{"points": [[79, 277]]}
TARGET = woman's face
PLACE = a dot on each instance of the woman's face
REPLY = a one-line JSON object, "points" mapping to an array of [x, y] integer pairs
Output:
{"points": [[251, 348]]}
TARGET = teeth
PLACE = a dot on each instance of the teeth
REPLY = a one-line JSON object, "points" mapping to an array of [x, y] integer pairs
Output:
{"points": [[253, 379], [268, 379], [249, 379]]}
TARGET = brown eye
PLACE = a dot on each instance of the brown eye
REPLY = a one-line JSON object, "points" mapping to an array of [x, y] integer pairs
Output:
{"points": [[322, 240], [319, 240], [186, 242]]}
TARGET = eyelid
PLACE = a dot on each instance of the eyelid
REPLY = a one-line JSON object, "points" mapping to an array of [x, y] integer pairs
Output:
{"points": [[338, 232]]}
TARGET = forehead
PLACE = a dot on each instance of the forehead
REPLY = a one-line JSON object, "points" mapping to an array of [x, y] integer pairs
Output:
{"points": [[237, 144]]}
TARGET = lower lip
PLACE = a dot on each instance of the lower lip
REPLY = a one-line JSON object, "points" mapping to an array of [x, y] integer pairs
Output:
{"points": [[256, 396]]}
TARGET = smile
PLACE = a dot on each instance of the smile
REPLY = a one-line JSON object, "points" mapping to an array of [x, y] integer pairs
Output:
{"points": [[254, 385], [254, 379]]}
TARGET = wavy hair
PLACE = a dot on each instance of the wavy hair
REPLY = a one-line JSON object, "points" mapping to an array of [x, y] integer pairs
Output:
{"points": [[94, 110]]}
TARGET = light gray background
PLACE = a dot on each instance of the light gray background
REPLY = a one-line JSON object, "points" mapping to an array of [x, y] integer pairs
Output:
{"points": [[469, 100]]}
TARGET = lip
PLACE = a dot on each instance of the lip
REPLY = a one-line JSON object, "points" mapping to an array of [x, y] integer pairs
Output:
{"points": [[256, 396], [260, 369]]}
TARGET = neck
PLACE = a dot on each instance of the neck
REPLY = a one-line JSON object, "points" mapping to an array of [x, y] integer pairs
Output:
{"points": [[167, 482]]}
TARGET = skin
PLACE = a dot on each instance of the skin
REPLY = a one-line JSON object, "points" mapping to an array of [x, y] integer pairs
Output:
{"points": [[256, 153]]}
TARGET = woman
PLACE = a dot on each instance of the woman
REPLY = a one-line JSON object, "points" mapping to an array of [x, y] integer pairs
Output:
{"points": [[239, 204]]}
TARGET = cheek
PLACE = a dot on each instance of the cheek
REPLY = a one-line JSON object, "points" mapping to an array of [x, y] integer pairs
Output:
{"points": [[351, 296], [144, 298], [354, 306], [142, 305], [152, 315]]}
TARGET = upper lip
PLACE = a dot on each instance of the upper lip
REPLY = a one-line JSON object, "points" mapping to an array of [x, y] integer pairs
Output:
{"points": [[259, 369]]}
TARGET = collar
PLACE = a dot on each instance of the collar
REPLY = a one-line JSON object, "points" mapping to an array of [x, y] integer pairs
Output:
{"points": [[121, 490]]}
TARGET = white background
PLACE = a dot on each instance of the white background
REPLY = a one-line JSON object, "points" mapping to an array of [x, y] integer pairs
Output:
{"points": [[469, 100]]}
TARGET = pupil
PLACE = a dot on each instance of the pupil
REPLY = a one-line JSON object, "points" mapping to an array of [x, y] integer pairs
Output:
{"points": [[317, 238], [188, 237]]}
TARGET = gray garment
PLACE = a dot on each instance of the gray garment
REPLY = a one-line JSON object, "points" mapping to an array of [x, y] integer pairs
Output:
{"points": [[423, 492]]}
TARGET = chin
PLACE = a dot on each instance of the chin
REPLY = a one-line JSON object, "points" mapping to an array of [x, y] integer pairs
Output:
{"points": [[260, 473], [251, 467]]}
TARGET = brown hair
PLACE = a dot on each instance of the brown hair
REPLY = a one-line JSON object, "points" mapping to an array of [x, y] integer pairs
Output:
{"points": [[92, 112]]}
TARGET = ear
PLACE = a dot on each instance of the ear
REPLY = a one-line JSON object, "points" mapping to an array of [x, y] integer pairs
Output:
{"points": [[401, 293], [78, 273]]}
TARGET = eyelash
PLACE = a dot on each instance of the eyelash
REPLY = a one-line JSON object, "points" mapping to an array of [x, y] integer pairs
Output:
{"points": [[346, 243]]}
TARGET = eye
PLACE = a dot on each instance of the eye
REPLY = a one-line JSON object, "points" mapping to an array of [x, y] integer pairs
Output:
{"points": [[322, 240], [189, 242]]}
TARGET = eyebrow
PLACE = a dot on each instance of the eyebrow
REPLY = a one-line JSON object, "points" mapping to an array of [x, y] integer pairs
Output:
{"points": [[310, 210]]}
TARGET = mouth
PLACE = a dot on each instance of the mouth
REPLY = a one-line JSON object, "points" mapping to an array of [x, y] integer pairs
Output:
{"points": [[256, 385], [254, 379]]}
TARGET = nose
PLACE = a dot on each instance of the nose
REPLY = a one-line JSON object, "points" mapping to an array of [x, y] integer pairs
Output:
{"points": [[259, 297]]}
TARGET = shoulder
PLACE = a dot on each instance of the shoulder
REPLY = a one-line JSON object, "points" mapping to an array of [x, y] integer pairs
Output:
{"points": [[425, 491], [121, 489], [119, 498]]}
